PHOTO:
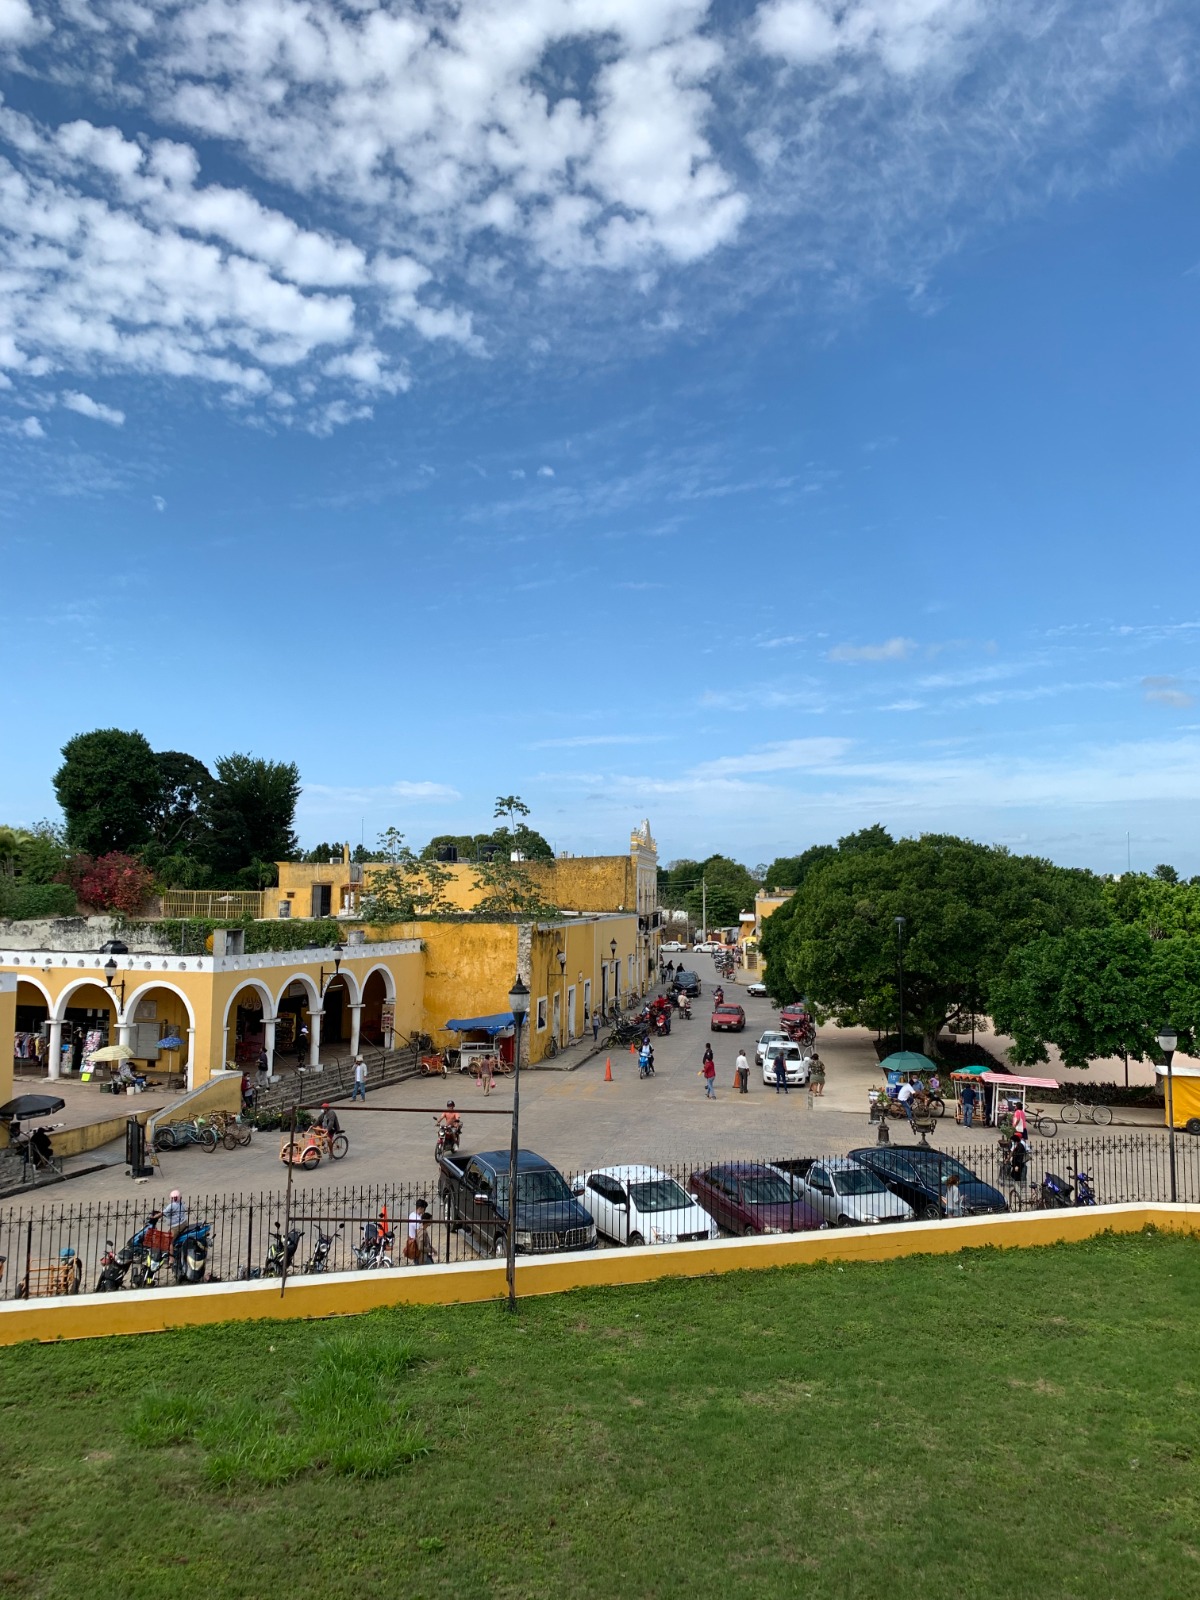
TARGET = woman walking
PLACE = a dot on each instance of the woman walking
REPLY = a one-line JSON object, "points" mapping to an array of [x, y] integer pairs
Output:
{"points": [[708, 1072], [816, 1075]]}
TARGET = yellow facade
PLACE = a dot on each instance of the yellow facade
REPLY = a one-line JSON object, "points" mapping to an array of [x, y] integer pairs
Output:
{"points": [[197, 997], [765, 905], [8, 1024]]}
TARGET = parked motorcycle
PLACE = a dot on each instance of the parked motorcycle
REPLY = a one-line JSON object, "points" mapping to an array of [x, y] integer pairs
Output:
{"points": [[319, 1260], [281, 1252], [155, 1255], [375, 1248], [114, 1267], [1058, 1193]]}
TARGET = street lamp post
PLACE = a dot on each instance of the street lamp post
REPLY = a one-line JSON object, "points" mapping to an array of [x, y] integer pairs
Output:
{"points": [[518, 1004], [1167, 1040], [899, 921], [563, 1025]]}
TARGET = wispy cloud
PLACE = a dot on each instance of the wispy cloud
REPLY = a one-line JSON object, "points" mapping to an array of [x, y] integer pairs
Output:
{"points": [[790, 755], [1167, 691], [897, 649], [85, 406], [581, 741]]}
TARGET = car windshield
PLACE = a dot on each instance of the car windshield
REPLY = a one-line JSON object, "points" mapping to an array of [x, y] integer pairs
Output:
{"points": [[731, 1010], [766, 1189], [535, 1189], [924, 1159], [856, 1180], [659, 1194], [790, 1052]]}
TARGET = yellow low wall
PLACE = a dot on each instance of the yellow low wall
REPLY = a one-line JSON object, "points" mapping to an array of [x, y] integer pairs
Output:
{"points": [[221, 1092], [96, 1316], [75, 1141]]}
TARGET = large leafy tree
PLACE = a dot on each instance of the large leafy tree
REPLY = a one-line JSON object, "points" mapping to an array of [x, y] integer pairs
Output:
{"points": [[789, 872], [965, 906], [727, 889], [1097, 992], [1162, 907], [179, 817], [252, 814], [108, 787]]}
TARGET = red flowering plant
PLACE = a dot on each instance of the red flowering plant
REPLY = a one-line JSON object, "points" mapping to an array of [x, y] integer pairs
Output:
{"points": [[115, 882]]}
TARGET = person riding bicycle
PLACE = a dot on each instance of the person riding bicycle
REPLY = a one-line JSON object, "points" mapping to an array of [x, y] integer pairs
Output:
{"points": [[450, 1127], [329, 1119]]}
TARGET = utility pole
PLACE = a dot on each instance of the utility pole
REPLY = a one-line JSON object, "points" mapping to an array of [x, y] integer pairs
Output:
{"points": [[703, 911], [899, 921]]}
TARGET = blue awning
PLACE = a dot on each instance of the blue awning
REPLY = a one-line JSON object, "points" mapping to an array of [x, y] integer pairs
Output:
{"points": [[493, 1024]]}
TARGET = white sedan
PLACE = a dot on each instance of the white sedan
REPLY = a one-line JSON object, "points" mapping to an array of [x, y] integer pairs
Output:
{"points": [[758, 990], [796, 1064], [771, 1036], [642, 1205], [671, 944], [844, 1193]]}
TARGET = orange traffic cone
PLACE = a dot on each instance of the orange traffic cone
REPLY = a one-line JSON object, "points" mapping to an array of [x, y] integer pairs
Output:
{"points": [[608, 1077]]}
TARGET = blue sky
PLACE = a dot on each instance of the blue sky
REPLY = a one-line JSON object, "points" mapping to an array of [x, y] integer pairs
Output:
{"points": [[767, 419]]}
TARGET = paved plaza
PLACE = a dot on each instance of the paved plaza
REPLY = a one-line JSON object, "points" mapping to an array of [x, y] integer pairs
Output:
{"points": [[574, 1118]]}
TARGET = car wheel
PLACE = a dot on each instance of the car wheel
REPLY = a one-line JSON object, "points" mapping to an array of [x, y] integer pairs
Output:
{"points": [[930, 1211], [750, 1231], [634, 1240], [1192, 1125], [845, 1222], [500, 1246]]}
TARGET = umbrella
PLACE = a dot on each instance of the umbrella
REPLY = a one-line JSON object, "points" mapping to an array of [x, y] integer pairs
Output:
{"points": [[30, 1105], [171, 1042], [113, 1052], [907, 1061]]}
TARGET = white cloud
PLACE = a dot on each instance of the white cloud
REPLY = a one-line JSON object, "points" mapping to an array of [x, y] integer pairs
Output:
{"points": [[580, 741], [26, 428], [905, 35], [890, 650], [158, 502], [1167, 691], [545, 472], [790, 755], [87, 407], [17, 24]]}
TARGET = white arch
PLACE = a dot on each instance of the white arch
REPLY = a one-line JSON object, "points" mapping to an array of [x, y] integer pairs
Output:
{"points": [[131, 1000], [36, 983], [260, 988], [389, 981], [299, 977], [59, 1011]]}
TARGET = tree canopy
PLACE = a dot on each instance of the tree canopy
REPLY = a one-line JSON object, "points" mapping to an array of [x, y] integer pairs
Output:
{"points": [[964, 905], [108, 786], [251, 815]]}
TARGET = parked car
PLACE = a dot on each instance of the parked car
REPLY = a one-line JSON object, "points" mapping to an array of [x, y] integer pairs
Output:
{"points": [[798, 1065], [708, 948], [727, 1018], [844, 1191], [670, 945], [686, 983], [768, 1036], [474, 1195], [758, 990], [747, 1197], [918, 1177], [642, 1205]]}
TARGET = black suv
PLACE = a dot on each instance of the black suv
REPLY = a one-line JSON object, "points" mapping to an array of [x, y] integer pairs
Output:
{"points": [[918, 1176], [686, 983]]}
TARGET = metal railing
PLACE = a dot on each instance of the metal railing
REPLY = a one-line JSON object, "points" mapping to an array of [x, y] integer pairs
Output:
{"points": [[335, 1081], [1121, 1167], [221, 904]]}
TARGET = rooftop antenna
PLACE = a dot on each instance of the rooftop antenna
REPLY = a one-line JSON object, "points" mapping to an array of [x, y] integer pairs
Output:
{"points": [[1128, 857]]}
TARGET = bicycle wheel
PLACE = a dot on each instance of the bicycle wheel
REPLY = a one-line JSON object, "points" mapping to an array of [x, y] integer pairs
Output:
{"points": [[1102, 1115], [244, 1135], [229, 1140], [339, 1147], [1016, 1200], [1071, 1113], [164, 1138], [551, 1047], [1046, 1126], [208, 1139], [311, 1159]]}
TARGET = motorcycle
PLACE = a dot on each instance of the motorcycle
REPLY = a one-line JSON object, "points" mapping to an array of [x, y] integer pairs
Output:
{"points": [[662, 1023], [1058, 1193], [448, 1139], [374, 1250], [281, 1252], [319, 1260], [154, 1253]]}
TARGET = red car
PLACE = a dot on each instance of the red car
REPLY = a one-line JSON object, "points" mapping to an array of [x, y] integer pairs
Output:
{"points": [[746, 1197], [728, 1019]]}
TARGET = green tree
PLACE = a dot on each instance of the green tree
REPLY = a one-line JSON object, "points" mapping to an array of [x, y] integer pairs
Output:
{"points": [[179, 816], [252, 813], [965, 906], [512, 807], [42, 854], [1166, 873], [405, 888], [675, 882], [728, 889], [876, 837], [1161, 907], [108, 787], [509, 891], [789, 872]]}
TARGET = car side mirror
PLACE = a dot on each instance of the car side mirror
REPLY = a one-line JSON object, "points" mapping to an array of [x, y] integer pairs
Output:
{"points": [[577, 1191], [481, 1199]]}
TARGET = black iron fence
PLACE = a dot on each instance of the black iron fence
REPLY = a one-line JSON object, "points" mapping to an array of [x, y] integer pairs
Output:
{"points": [[630, 1205]]}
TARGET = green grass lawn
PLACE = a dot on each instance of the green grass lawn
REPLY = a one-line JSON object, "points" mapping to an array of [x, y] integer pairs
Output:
{"points": [[994, 1424]]}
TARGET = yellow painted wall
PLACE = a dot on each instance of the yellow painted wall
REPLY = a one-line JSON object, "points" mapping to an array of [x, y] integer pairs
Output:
{"points": [[8, 1026], [93, 1316], [469, 968]]}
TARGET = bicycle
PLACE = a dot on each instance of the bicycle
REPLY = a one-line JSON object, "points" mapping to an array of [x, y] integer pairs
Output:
{"points": [[1077, 1111], [1039, 1122]]}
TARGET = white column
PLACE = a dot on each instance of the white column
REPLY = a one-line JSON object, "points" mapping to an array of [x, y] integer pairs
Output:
{"points": [[55, 1053], [356, 1012], [191, 1058], [125, 1034], [269, 1029], [314, 1038]]}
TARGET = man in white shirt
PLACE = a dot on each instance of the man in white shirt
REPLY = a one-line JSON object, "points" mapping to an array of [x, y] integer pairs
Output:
{"points": [[359, 1091], [743, 1071], [418, 1249], [174, 1214], [905, 1095]]}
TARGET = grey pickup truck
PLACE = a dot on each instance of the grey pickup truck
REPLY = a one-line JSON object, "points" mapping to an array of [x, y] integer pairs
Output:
{"points": [[474, 1195]]}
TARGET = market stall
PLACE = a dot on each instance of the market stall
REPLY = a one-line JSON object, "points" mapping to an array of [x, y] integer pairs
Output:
{"points": [[998, 1094]]}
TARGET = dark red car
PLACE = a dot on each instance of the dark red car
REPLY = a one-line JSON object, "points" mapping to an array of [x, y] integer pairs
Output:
{"points": [[727, 1018], [748, 1198]]}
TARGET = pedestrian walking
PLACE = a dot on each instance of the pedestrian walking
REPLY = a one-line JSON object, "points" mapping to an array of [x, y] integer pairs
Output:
{"points": [[780, 1073], [418, 1247], [968, 1104], [742, 1067], [301, 1041], [359, 1091], [595, 1026], [709, 1073], [816, 1075]]}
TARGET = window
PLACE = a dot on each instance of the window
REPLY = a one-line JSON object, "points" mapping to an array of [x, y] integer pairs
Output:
{"points": [[587, 1003], [541, 1014], [572, 1019], [558, 1016]]}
